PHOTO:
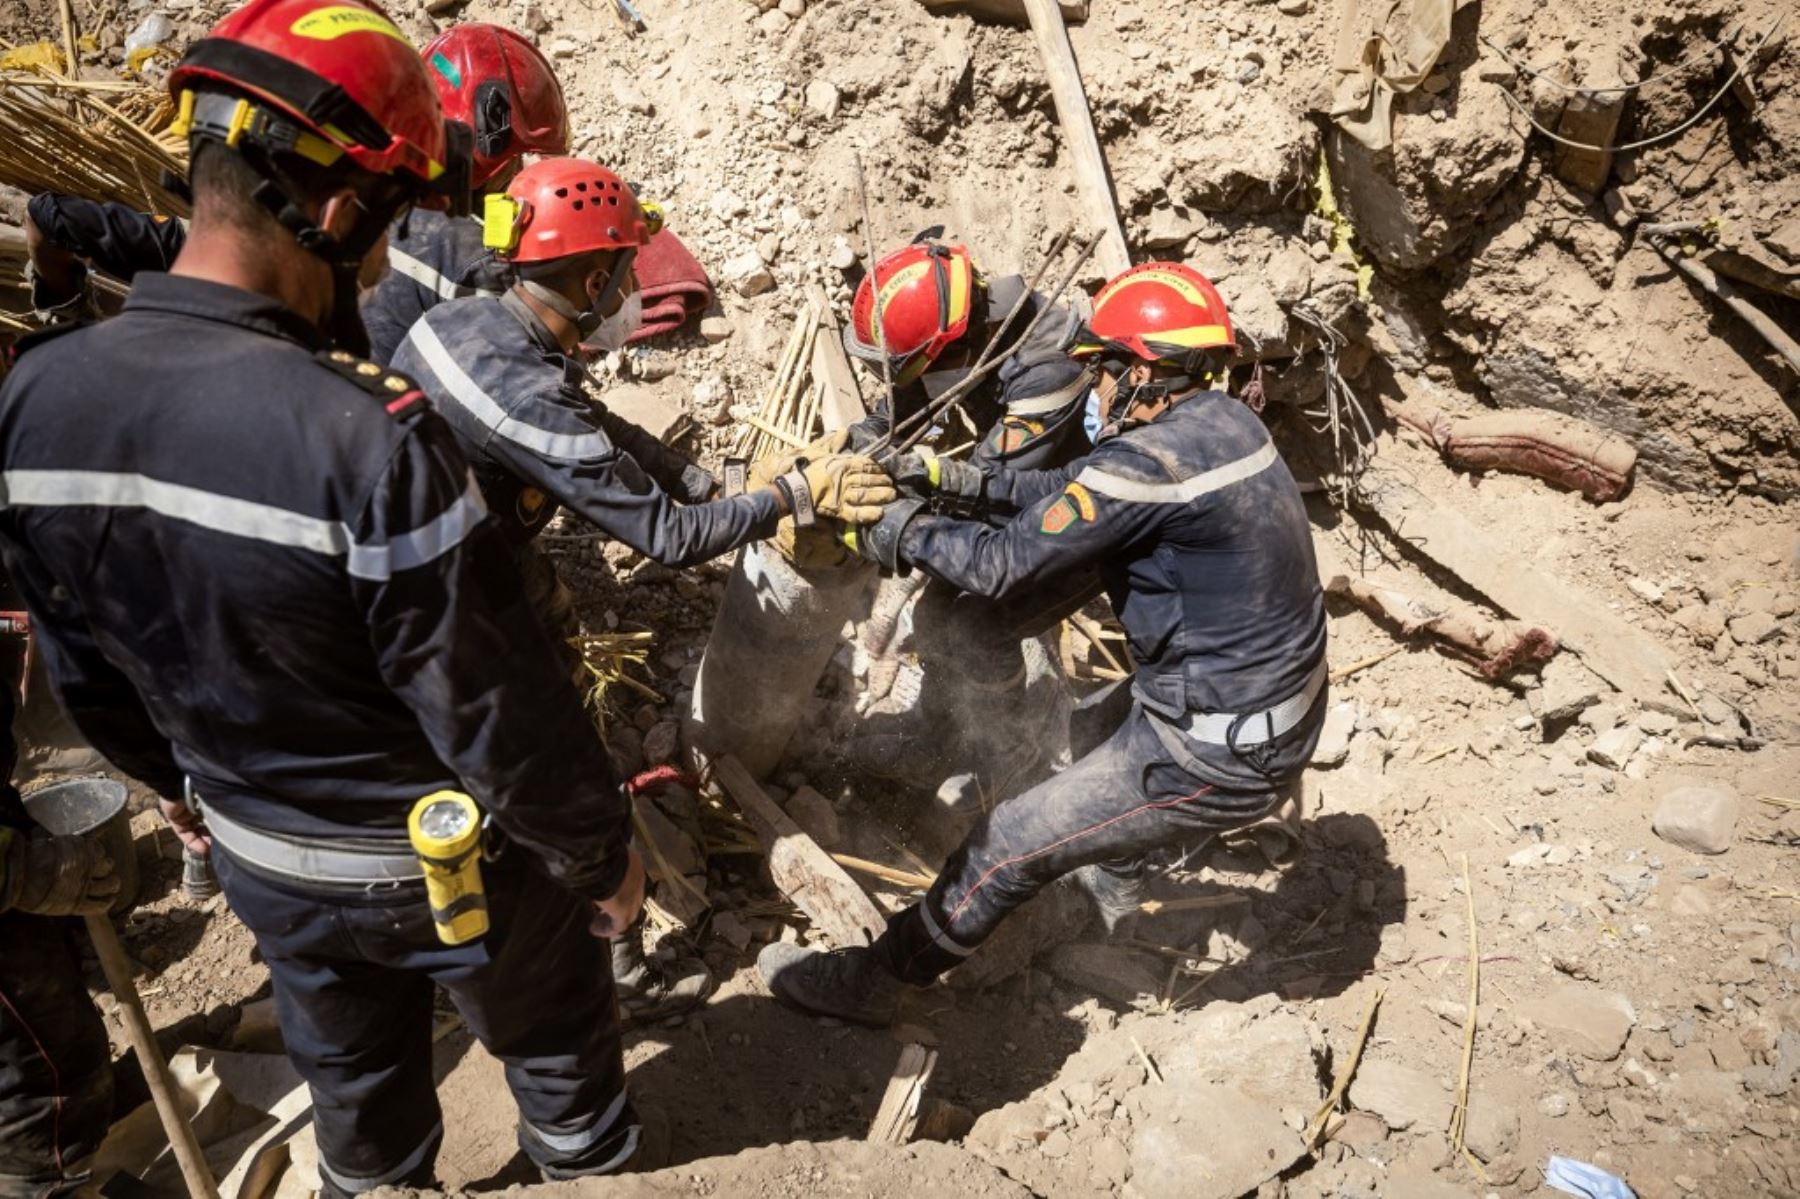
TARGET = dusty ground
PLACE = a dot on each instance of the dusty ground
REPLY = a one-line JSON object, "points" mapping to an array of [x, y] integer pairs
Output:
{"points": [[1638, 1000]]}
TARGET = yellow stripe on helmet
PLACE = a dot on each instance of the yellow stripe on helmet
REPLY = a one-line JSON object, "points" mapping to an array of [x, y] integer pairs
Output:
{"points": [[1196, 337]]}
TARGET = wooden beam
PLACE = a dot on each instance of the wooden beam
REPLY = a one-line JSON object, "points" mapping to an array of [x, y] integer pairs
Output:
{"points": [[1622, 655], [802, 869], [843, 403], [1005, 12], [898, 1115], [1078, 134]]}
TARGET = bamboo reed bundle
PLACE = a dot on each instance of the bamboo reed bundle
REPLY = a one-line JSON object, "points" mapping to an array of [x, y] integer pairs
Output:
{"points": [[106, 140], [788, 417]]}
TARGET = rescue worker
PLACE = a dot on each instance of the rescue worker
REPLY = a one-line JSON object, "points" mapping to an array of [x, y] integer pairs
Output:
{"points": [[268, 589], [56, 1083], [505, 375], [487, 77], [1199, 531], [938, 311]]}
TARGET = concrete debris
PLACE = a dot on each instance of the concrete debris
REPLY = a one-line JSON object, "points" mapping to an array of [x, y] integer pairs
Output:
{"points": [[1334, 738], [1400, 1095], [1613, 748], [1699, 817], [1583, 1019], [814, 813], [1119, 974]]}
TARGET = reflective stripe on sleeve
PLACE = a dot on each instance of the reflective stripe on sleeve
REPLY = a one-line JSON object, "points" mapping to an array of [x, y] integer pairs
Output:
{"points": [[431, 278], [467, 394], [1054, 401], [248, 518], [1192, 488]]}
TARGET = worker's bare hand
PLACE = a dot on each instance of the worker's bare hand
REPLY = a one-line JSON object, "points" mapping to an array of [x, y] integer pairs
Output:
{"points": [[616, 913], [849, 487], [190, 830]]}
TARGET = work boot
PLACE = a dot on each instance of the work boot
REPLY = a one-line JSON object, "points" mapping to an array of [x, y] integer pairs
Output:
{"points": [[1117, 897], [648, 989], [850, 984]]}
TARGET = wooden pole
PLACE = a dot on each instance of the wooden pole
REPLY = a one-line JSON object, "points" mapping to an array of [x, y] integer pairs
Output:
{"points": [[156, 1071], [1078, 132]]}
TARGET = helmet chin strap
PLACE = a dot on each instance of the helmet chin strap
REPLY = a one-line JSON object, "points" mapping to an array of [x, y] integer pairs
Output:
{"points": [[585, 320]]}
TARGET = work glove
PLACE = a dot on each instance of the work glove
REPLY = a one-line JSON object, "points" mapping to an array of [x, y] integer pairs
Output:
{"points": [[764, 471], [846, 487], [55, 876], [954, 487], [879, 540]]}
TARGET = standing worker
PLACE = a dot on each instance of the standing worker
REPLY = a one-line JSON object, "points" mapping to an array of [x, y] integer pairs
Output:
{"points": [[271, 577], [1201, 536], [56, 1083], [938, 310], [504, 373], [487, 77]]}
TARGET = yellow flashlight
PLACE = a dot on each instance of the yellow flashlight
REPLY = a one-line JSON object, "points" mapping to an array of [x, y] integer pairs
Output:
{"points": [[445, 831]]}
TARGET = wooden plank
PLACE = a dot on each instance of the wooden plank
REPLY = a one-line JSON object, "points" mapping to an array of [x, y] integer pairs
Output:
{"points": [[1005, 12], [802, 869], [1078, 134], [843, 403], [898, 1115], [1622, 655]]}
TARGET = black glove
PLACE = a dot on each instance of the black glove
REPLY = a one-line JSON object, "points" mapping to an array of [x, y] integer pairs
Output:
{"points": [[880, 542], [955, 488]]}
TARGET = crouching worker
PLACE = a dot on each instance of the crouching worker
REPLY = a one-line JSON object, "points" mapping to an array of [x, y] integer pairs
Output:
{"points": [[1199, 532], [504, 374]]}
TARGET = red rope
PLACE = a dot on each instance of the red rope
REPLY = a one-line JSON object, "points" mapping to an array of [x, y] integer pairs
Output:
{"points": [[658, 776]]}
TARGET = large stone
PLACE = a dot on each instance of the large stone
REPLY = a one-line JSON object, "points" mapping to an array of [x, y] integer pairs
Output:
{"points": [[1334, 737], [1119, 974], [814, 813], [749, 274], [1217, 1143], [823, 98], [1246, 158], [656, 410], [1613, 748], [1400, 1095], [1698, 817], [1583, 1019], [1492, 1128]]}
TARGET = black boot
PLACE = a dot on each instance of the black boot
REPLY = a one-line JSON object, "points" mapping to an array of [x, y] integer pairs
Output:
{"points": [[649, 989], [1117, 896], [850, 984]]}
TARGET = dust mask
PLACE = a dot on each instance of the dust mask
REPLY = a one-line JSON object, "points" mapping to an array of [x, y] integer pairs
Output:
{"points": [[613, 331]]}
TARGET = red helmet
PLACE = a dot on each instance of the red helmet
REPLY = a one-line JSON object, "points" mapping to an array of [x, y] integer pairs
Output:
{"points": [[339, 70], [1159, 312], [498, 84], [927, 290], [558, 207]]}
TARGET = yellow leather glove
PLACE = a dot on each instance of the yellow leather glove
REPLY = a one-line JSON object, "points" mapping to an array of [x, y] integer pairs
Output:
{"points": [[849, 487], [764, 471]]}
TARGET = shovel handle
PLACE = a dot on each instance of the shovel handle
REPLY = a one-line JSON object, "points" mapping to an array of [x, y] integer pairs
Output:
{"points": [[117, 968]]}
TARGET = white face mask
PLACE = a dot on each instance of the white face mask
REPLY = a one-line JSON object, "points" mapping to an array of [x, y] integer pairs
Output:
{"points": [[612, 331]]}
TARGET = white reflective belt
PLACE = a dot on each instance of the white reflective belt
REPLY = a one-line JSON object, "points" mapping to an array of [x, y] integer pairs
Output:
{"points": [[477, 403], [249, 518], [309, 860], [1204, 483], [1215, 728], [1055, 401], [429, 277]]}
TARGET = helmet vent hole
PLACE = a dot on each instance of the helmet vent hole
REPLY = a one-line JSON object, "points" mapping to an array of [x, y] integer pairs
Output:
{"points": [[577, 206], [613, 200], [582, 186], [562, 193]]}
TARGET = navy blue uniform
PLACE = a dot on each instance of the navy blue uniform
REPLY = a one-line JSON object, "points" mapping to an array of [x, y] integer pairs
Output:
{"points": [[267, 569], [1200, 537], [431, 258], [537, 442]]}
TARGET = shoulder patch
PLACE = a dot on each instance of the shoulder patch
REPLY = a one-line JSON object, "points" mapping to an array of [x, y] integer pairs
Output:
{"points": [[1075, 505], [400, 397]]}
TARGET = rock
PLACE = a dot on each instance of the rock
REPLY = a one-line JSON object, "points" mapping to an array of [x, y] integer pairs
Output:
{"points": [[1785, 241], [1289, 274], [769, 246], [1400, 1095], [1171, 225], [1361, 1131], [662, 742], [1690, 901], [564, 47], [629, 95], [1583, 1019], [715, 329], [1221, 170], [1334, 738], [842, 256], [656, 410], [822, 97], [1613, 748], [1293, 8], [732, 930], [1218, 1143], [1753, 628], [792, 9], [1699, 817], [1492, 1129], [625, 746], [1780, 1076], [1122, 975], [1706, 1100], [774, 22], [727, 204], [1554, 1105], [749, 274], [814, 813], [1645, 590]]}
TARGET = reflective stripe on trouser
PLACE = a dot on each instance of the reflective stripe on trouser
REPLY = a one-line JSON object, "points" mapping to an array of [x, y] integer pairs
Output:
{"points": [[1129, 796], [353, 973]]}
